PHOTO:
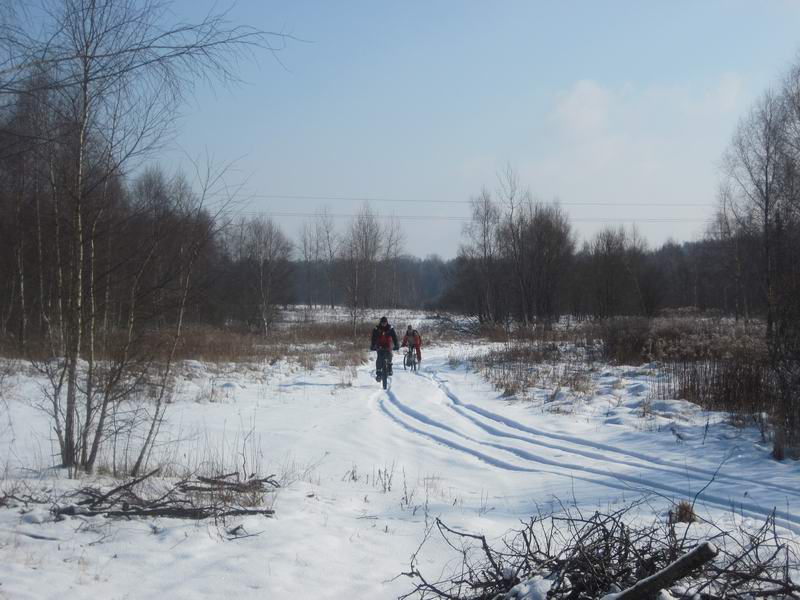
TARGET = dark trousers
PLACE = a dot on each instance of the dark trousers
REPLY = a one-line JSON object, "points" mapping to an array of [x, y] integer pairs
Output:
{"points": [[387, 356]]}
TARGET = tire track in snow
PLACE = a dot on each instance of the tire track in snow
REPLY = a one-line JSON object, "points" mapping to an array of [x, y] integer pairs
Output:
{"points": [[645, 461], [453, 445], [421, 424], [444, 441]]}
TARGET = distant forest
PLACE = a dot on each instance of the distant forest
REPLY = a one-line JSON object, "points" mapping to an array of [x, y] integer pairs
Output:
{"points": [[613, 274], [519, 261]]}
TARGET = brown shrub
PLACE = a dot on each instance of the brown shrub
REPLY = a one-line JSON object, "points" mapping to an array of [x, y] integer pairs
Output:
{"points": [[625, 338], [685, 338], [683, 512], [347, 357]]}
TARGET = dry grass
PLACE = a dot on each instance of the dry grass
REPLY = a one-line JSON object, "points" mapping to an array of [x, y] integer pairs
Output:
{"points": [[308, 360], [346, 357], [723, 365], [308, 344], [215, 344], [683, 512], [633, 340], [717, 363], [524, 365], [339, 344]]}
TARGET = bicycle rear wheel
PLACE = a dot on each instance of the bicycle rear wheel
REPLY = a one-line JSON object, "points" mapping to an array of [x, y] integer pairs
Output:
{"points": [[384, 372]]}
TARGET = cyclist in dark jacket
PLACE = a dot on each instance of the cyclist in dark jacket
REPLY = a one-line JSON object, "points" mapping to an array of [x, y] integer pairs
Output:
{"points": [[384, 340]]}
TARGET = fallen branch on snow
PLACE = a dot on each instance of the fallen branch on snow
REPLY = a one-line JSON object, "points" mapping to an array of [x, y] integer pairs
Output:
{"points": [[683, 567], [201, 498], [579, 557]]}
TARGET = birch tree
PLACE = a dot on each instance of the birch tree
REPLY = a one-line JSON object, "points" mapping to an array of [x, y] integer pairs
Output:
{"points": [[115, 73]]}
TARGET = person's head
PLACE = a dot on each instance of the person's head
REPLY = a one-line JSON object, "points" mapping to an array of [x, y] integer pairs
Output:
{"points": [[410, 329], [384, 322]]}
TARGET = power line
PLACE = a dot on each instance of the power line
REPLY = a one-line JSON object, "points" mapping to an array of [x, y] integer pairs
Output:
{"points": [[435, 201], [456, 218]]}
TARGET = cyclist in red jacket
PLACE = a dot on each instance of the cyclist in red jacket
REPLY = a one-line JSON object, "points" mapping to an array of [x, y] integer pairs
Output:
{"points": [[413, 339]]}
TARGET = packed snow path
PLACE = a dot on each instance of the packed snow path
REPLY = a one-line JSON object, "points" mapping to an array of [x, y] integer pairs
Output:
{"points": [[426, 406]]}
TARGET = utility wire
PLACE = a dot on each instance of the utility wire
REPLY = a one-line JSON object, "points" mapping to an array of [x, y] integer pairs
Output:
{"points": [[434, 201], [457, 218]]}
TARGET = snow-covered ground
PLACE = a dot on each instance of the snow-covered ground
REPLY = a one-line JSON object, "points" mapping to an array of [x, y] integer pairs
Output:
{"points": [[366, 472], [341, 314]]}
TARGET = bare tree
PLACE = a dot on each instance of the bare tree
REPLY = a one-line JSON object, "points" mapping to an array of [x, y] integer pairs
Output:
{"points": [[535, 239], [551, 248], [329, 243], [269, 251], [114, 74], [392, 247], [482, 249], [754, 165], [727, 229], [513, 239], [310, 254], [360, 251]]}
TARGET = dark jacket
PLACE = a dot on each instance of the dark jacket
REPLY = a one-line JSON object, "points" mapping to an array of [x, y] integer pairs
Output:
{"points": [[384, 338]]}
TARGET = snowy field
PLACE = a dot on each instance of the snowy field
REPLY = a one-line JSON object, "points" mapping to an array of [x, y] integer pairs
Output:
{"points": [[400, 318], [365, 472]]}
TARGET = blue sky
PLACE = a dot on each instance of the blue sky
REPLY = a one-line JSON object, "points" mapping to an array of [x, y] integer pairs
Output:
{"points": [[621, 104]]}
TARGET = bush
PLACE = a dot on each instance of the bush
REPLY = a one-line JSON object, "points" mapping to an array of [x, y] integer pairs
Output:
{"points": [[517, 367], [625, 339], [684, 338], [740, 384], [672, 339]]}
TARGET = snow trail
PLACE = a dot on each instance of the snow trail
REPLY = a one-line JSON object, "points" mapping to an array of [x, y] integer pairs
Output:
{"points": [[645, 459], [427, 407]]}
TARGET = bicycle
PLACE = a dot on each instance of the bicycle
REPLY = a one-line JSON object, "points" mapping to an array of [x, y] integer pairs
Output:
{"points": [[384, 370], [410, 359]]}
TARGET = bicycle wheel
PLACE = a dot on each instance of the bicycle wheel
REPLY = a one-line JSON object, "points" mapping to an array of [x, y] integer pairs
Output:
{"points": [[384, 374]]}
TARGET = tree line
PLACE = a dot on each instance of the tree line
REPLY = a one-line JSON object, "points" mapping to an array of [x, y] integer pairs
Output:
{"points": [[258, 270], [520, 261]]}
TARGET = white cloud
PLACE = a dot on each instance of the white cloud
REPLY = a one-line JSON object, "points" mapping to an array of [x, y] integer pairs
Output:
{"points": [[584, 107], [637, 144], [728, 93], [589, 108]]}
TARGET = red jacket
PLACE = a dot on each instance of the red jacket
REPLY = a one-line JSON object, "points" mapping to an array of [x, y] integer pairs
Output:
{"points": [[384, 338], [414, 340]]}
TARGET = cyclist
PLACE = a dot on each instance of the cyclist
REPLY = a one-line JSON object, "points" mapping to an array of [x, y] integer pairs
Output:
{"points": [[412, 339], [384, 340]]}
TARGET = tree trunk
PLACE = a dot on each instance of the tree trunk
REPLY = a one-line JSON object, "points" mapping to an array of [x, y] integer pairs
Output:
{"points": [[76, 306]]}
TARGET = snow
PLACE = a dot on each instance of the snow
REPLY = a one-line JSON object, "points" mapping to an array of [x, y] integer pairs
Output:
{"points": [[533, 589], [341, 314], [366, 471]]}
